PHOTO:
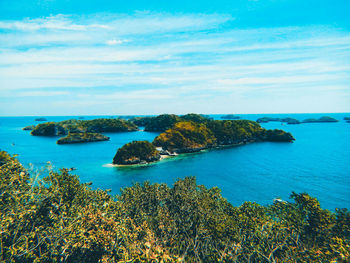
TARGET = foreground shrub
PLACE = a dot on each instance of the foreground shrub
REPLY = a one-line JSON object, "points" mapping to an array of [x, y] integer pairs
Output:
{"points": [[59, 219]]}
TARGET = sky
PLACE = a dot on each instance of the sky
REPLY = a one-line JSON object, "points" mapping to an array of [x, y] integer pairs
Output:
{"points": [[108, 57]]}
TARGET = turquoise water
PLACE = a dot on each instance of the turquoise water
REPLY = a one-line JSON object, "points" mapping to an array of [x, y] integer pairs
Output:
{"points": [[316, 163]]}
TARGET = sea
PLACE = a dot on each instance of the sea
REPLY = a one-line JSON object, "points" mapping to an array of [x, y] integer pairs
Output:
{"points": [[317, 163]]}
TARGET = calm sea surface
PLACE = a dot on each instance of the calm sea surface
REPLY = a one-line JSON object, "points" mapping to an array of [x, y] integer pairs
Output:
{"points": [[318, 162]]}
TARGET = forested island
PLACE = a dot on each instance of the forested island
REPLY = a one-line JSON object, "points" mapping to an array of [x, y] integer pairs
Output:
{"points": [[289, 120], [60, 219], [79, 131], [195, 134], [230, 117], [80, 137]]}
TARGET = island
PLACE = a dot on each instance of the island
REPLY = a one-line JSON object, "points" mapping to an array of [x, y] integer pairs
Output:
{"points": [[163, 122], [79, 131], [28, 128], [40, 119], [287, 120], [75, 126], [190, 137], [320, 120], [136, 152], [347, 118], [230, 117], [82, 137]]}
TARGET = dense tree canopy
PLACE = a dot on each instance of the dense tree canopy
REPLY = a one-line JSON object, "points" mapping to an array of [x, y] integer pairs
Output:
{"points": [[76, 126], [185, 135], [136, 152]]}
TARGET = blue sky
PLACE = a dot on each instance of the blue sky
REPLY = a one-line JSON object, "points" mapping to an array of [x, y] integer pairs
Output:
{"points": [[149, 57]]}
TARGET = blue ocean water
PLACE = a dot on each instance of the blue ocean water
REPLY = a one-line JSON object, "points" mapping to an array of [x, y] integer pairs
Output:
{"points": [[316, 163]]}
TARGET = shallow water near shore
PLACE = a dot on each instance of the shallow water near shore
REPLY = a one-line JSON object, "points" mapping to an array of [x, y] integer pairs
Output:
{"points": [[316, 163]]}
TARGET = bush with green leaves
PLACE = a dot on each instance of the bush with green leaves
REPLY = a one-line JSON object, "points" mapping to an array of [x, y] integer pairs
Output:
{"points": [[59, 219]]}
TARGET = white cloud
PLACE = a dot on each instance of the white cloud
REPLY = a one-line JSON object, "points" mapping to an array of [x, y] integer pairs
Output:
{"points": [[113, 42], [163, 57]]}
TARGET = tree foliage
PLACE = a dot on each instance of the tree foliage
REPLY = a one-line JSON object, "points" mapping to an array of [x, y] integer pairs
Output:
{"points": [[189, 136], [59, 219], [83, 126], [185, 135], [136, 152]]}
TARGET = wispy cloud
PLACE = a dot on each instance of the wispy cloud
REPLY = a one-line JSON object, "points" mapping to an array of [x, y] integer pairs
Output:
{"points": [[168, 58]]}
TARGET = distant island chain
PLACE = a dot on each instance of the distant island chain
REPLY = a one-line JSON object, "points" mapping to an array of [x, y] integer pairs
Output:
{"points": [[178, 134]]}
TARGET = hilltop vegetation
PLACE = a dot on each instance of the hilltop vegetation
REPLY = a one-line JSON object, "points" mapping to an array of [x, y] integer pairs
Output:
{"points": [[185, 137], [162, 122], [190, 136], [60, 219], [165, 121]]}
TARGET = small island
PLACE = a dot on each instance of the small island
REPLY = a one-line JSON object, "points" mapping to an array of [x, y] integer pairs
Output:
{"points": [[94, 126], [320, 120], [82, 137], [136, 152], [190, 137], [230, 117], [40, 119], [287, 120]]}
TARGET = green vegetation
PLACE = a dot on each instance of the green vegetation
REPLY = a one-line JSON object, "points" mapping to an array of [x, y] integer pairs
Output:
{"points": [[136, 152], [162, 122], [322, 119], [199, 118], [108, 125], [277, 136], [40, 119], [59, 219], [83, 126], [28, 128], [82, 137], [141, 121], [287, 120], [185, 137], [235, 131], [190, 136], [165, 121], [230, 117], [48, 129]]}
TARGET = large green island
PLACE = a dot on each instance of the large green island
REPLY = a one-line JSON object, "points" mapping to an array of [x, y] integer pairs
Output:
{"points": [[192, 136]]}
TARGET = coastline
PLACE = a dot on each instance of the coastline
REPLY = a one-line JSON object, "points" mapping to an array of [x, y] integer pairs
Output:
{"points": [[164, 156]]}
